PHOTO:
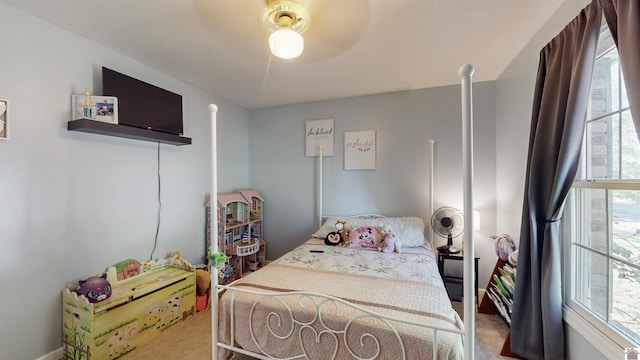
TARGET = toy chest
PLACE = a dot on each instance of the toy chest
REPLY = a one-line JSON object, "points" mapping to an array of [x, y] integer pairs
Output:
{"points": [[139, 309]]}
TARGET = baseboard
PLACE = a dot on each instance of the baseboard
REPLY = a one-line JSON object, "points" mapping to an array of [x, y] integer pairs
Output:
{"points": [[54, 355]]}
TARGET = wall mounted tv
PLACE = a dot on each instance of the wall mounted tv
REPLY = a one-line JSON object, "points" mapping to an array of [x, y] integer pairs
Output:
{"points": [[143, 105]]}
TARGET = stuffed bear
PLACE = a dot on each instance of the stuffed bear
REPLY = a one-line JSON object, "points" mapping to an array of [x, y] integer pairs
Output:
{"points": [[343, 231], [203, 282], [390, 241]]}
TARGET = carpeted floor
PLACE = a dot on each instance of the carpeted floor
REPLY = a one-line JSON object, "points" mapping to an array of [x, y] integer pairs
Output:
{"points": [[191, 339]]}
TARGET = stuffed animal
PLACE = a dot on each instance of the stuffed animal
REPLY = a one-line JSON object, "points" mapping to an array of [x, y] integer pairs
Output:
{"points": [[390, 241], [365, 236], [95, 289], [343, 231], [203, 282], [218, 259], [333, 239], [225, 273]]}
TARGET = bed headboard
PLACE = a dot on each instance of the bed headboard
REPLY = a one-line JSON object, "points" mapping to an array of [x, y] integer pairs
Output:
{"points": [[358, 216]]}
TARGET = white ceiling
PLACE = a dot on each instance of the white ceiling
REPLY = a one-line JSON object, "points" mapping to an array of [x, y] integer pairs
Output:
{"points": [[353, 47]]}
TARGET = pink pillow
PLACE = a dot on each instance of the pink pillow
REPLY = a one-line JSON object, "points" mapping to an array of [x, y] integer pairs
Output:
{"points": [[365, 236]]}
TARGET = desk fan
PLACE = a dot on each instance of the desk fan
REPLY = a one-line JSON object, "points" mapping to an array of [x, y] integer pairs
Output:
{"points": [[448, 223]]}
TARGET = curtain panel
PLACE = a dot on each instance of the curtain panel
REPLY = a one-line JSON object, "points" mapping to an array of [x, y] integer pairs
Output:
{"points": [[623, 19], [557, 125]]}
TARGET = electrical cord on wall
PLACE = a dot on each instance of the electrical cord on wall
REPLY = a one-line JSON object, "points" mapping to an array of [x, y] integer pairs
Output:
{"points": [[155, 241]]}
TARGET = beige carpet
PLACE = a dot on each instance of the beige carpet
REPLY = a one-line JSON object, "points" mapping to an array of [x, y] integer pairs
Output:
{"points": [[191, 339]]}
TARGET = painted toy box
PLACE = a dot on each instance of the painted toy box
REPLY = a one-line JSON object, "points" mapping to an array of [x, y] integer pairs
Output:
{"points": [[140, 308]]}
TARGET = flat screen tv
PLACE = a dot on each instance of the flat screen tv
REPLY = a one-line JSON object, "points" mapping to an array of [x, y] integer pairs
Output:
{"points": [[143, 105]]}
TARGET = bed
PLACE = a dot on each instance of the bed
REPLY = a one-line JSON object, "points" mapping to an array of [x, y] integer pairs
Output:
{"points": [[278, 312], [333, 302]]}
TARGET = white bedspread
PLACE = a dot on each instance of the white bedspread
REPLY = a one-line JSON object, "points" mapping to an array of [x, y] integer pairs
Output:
{"points": [[414, 264]]}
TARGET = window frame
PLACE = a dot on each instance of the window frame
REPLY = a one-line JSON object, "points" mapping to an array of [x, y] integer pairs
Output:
{"points": [[610, 341], [586, 322]]}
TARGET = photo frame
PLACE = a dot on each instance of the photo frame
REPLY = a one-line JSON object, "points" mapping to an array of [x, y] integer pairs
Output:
{"points": [[4, 119], [99, 108], [360, 150], [319, 133]]}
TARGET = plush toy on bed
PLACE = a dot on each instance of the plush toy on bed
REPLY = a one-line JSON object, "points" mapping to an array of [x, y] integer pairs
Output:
{"points": [[343, 231], [390, 241], [333, 239]]}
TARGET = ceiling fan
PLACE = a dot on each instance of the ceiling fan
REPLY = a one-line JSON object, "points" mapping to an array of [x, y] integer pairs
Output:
{"points": [[330, 27], [448, 222]]}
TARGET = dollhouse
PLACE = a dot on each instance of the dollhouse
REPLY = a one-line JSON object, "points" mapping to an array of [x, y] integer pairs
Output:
{"points": [[240, 216]]}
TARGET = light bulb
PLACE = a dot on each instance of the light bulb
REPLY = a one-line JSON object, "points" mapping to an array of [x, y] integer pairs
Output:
{"points": [[286, 43]]}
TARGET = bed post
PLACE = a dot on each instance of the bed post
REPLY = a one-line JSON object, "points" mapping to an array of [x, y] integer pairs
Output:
{"points": [[214, 233], [320, 147], [432, 169], [466, 72]]}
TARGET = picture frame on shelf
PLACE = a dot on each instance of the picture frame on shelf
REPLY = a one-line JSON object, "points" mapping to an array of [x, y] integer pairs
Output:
{"points": [[4, 119], [98, 108]]}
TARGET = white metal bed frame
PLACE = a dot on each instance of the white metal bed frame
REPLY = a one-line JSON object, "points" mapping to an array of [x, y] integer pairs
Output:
{"points": [[321, 301], [466, 73]]}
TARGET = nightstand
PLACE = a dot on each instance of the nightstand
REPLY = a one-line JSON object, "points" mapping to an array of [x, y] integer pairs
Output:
{"points": [[450, 279]]}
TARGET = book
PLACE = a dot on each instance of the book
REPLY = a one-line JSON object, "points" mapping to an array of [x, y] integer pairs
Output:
{"points": [[497, 302], [497, 281], [508, 285], [507, 275]]}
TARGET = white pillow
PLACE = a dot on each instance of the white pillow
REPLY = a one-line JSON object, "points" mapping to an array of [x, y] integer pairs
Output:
{"points": [[410, 230]]}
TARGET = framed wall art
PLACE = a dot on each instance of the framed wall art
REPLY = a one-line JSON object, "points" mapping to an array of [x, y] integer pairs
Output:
{"points": [[319, 133], [360, 150], [99, 108], [4, 119]]}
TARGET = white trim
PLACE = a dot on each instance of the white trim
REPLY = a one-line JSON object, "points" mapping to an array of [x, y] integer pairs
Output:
{"points": [[595, 335], [54, 355], [608, 184]]}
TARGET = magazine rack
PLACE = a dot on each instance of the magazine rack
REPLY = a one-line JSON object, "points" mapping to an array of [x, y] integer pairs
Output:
{"points": [[500, 303]]}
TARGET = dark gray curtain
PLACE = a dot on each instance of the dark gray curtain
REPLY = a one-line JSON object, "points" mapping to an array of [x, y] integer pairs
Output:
{"points": [[623, 18], [557, 125]]}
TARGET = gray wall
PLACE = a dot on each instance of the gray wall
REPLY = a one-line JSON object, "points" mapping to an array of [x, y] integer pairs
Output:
{"points": [[72, 204], [514, 95], [404, 122]]}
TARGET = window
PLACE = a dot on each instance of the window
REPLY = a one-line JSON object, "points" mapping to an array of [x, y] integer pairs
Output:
{"points": [[604, 207]]}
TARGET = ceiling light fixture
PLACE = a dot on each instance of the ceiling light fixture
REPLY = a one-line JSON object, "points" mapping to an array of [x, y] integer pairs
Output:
{"points": [[287, 19]]}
